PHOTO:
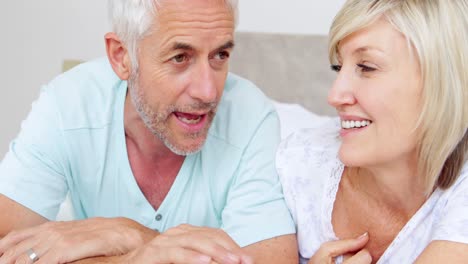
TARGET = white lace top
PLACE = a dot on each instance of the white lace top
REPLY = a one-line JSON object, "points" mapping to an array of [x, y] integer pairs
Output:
{"points": [[310, 172]]}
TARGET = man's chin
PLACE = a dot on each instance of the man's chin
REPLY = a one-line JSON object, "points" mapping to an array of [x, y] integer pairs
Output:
{"points": [[186, 148], [183, 142]]}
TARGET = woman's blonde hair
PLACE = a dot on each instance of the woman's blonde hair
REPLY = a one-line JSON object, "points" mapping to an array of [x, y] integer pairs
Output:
{"points": [[437, 30]]}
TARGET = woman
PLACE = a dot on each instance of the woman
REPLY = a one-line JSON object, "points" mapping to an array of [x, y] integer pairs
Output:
{"points": [[388, 181]]}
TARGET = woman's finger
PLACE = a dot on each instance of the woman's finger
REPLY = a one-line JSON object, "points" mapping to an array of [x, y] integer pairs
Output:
{"points": [[340, 247], [362, 257], [330, 250]]}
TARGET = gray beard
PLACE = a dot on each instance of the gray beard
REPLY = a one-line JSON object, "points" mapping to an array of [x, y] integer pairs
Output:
{"points": [[156, 121]]}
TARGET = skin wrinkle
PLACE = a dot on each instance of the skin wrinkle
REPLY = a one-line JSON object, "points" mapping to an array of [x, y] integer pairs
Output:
{"points": [[158, 5], [156, 122], [199, 16], [199, 24], [216, 17], [380, 160], [167, 40], [177, 47], [156, 89], [158, 115]]}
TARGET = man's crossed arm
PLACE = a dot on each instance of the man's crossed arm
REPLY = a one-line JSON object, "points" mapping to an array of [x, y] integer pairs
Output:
{"points": [[121, 240]]}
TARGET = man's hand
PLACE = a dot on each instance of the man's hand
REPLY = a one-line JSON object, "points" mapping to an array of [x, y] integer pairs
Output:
{"points": [[330, 250], [188, 244], [62, 242]]}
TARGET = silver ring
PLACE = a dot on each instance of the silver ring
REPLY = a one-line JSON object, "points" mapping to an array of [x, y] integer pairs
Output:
{"points": [[32, 255]]}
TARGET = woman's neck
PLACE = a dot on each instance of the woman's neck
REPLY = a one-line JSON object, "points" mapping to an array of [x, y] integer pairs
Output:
{"points": [[396, 186], [377, 200]]}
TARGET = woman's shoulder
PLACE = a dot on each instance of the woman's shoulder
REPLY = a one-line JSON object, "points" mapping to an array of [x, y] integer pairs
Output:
{"points": [[308, 154], [459, 187], [463, 174], [311, 144], [307, 162], [451, 213]]}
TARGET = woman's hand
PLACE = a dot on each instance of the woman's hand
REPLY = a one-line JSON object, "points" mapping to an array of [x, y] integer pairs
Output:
{"points": [[330, 250]]}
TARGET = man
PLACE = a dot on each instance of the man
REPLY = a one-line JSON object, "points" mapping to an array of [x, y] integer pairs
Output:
{"points": [[135, 140]]}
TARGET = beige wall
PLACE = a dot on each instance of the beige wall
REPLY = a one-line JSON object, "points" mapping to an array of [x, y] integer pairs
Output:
{"points": [[35, 38], [288, 16]]}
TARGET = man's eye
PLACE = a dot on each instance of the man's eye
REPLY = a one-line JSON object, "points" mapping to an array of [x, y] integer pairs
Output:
{"points": [[335, 68], [365, 68], [222, 55], [179, 58]]}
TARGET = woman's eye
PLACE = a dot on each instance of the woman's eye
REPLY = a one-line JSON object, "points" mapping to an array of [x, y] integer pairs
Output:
{"points": [[179, 58], [335, 68], [365, 68]]}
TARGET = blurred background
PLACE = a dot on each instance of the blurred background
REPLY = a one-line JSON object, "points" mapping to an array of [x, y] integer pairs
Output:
{"points": [[37, 36]]}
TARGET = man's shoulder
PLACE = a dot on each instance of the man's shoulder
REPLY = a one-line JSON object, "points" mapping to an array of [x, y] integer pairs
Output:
{"points": [[85, 94], [242, 110], [86, 76]]}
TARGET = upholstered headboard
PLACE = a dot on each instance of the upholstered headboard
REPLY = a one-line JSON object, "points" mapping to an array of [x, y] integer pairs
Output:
{"points": [[288, 68]]}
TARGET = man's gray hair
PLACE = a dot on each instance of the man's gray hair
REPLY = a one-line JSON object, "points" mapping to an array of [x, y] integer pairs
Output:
{"points": [[131, 20]]}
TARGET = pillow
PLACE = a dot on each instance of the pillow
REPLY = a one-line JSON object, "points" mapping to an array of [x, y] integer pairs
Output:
{"points": [[294, 117]]}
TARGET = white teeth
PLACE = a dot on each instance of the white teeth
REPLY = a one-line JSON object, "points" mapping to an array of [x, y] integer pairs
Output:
{"points": [[347, 124], [189, 121]]}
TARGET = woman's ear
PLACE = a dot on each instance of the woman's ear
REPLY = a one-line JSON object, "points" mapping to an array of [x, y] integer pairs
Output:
{"points": [[118, 56]]}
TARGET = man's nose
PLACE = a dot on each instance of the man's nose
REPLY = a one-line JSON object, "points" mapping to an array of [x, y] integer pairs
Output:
{"points": [[204, 86]]}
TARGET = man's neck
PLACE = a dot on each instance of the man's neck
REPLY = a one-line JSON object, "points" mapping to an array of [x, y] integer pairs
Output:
{"points": [[153, 165], [145, 142]]}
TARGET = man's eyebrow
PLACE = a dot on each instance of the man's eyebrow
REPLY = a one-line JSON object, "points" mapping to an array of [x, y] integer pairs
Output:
{"points": [[182, 46], [188, 47], [227, 45]]}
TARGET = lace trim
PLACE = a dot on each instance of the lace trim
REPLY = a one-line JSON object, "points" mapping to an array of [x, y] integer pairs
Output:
{"points": [[333, 183]]}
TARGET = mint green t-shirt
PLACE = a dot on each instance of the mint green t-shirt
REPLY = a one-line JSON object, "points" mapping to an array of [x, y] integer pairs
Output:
{"points": [[74, 141]]}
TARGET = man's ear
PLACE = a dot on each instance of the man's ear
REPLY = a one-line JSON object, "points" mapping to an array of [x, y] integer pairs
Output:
{"points": [[118, 56]]}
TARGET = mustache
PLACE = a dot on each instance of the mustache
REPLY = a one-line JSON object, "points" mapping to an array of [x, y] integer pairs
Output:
{"points": [[197, 106]]}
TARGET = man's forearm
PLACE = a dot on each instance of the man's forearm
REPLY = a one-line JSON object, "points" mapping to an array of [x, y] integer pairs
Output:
{"points": [[90, 237], [102, 260], [145, 236], [16, 216]]}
